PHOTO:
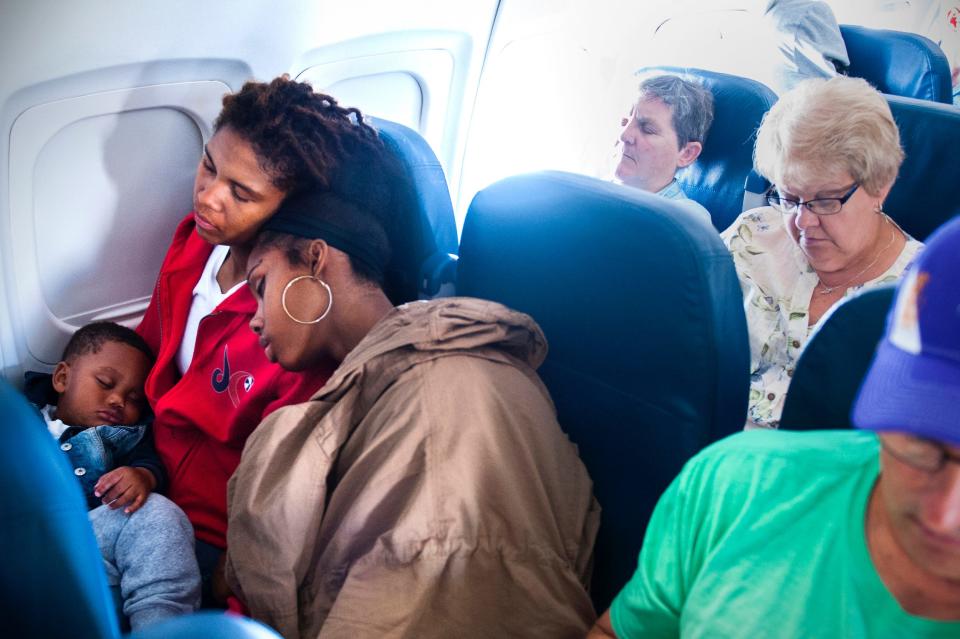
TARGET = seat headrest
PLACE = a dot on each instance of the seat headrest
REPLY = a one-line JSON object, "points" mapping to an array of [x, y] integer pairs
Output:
{"points": [[425, 243], [716, 179], [904, 64], [642, 310], [925, 194]]}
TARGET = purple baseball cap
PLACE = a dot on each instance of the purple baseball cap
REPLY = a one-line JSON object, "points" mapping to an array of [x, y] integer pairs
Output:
{"points": [[913, 385]]}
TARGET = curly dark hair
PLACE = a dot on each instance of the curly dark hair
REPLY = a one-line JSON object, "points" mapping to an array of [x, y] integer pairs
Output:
{"points": [[297, 134], [91, 338]]}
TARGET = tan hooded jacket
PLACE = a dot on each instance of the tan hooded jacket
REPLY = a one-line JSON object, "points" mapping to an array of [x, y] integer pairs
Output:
{"points": [[425, 491]]}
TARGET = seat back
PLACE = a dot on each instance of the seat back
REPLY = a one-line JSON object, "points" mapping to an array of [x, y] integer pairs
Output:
{"points": [[640, 304], [904, 64], [53, 584], [425, 246], [835, 361], [716, 178], [925, 194]]}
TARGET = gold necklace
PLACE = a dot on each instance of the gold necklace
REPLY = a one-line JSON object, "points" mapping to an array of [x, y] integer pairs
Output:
{"points": [[830, 289]]}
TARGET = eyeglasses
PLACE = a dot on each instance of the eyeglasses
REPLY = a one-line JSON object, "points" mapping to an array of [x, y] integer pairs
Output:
{"points": [[818, 206], [923, 454]]}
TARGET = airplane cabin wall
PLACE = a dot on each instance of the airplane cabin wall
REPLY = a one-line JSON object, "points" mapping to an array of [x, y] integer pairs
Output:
{"points": [[106, 107]]}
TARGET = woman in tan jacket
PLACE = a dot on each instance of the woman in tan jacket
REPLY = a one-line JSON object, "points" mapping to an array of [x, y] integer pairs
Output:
{"points": [[426, 490]]}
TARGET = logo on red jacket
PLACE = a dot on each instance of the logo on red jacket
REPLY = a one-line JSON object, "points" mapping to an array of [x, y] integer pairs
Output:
{"points": [[232, 384]]}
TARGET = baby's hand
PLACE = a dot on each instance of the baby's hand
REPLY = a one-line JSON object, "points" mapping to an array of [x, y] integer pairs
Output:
{"points": [[125, 486]]}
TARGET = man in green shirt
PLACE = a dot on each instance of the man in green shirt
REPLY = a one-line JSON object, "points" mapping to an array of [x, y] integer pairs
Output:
{"points": [[829, 533]]}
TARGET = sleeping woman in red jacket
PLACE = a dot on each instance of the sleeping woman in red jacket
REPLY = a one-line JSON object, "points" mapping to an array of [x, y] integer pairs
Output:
{"points": [[212, 383]]}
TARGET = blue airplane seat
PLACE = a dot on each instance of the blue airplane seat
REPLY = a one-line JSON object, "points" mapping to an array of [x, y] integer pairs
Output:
{"points": [[53, 579], [925, 194], [53, 583], [648, 354], [898, 63], [833, 364], [425, 251], [717, 177]]}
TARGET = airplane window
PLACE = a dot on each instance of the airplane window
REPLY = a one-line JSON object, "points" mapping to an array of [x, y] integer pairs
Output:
{"points": [[556, 82], [392, 96], [414, 87], [86, 170]]}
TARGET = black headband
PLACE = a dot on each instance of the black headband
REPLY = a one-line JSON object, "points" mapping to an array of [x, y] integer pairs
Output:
{"points": [[303, 215]]}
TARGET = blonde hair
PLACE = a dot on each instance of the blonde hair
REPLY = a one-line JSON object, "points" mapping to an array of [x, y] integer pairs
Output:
{"points": [[825, 126]]}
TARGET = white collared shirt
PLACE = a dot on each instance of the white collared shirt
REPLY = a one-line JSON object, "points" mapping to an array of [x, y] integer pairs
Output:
{"points": [[206, 297], [54, 425], [673, 191]]}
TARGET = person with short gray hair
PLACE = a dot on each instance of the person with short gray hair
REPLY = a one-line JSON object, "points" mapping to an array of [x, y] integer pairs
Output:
{"points": [[691, 104], [665, 132]]}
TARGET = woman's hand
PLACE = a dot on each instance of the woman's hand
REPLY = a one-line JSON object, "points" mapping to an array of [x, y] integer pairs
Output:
{"points": [[125, 487]]}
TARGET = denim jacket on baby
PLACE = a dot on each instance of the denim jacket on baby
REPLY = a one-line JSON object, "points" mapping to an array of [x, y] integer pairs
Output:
{"points": [[97, 450]]}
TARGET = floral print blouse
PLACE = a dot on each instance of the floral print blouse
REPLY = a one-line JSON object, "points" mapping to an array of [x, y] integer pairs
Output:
{"points": [[777, 283]]}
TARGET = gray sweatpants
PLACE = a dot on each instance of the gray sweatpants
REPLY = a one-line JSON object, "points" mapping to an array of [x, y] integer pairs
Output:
{"points": [[149, 556]]}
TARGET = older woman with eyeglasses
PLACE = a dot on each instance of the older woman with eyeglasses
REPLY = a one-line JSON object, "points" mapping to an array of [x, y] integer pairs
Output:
{"points": [[832, 151]]}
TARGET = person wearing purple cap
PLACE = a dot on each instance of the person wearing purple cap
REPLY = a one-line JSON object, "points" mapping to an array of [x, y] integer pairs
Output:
{"points": [[825, 533]]}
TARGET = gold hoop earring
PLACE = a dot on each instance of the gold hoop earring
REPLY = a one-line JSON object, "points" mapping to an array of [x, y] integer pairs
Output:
{"points": [[283, 299]]}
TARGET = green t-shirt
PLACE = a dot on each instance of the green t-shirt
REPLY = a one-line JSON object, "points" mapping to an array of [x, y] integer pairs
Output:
{"points": [[762, 535]]}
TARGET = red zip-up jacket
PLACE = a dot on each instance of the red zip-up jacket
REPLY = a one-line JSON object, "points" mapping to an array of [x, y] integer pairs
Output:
{"points": [[203, 418]]}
